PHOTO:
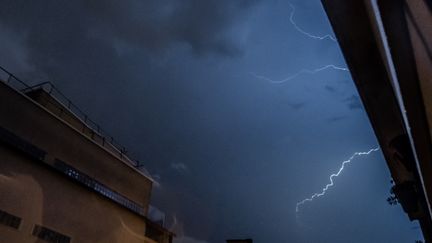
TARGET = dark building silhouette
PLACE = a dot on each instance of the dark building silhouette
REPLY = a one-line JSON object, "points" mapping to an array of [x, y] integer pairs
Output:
{"points": [[240, 241], [387, 45]]}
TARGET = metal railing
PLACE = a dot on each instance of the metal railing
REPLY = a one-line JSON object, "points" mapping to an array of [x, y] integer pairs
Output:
{"points": [[72, 111], [12, 80], [68, 109]]}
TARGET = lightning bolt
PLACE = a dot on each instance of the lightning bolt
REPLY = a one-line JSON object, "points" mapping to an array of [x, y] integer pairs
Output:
{"points": [[314, 71], [324, 190], [291, 19], [303, 71]]}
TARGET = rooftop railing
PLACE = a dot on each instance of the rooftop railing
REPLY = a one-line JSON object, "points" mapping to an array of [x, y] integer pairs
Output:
{"points": [[89, 127], [69, 110], [12, 80]]}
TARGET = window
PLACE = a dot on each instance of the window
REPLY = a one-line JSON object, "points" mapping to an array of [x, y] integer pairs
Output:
{"points": [[21, 145], [50, 235], [96, 186], [9, 220]]}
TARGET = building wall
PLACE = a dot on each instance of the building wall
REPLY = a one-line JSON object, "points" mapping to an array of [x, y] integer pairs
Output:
{"points": [[56, 108], [420, 31], [40, 195], [37, 125]]}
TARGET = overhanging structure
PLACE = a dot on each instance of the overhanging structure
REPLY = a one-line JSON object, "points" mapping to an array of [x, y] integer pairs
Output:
{"points": [[387, 46]]}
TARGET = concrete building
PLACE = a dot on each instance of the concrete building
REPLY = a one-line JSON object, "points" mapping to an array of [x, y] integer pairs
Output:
{"points": [[387, 45], [62, 179]]}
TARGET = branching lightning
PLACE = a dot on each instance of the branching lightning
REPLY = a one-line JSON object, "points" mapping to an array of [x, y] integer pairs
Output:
{"points": [[303, 71], [314, 71], [324, 190], [304, 32]]}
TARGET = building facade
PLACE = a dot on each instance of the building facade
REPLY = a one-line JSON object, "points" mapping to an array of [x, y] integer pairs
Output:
{"points": [[62, 179]]}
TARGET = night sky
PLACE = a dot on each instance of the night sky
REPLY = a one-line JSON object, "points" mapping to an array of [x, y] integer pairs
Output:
{"points": [[178, 83]]}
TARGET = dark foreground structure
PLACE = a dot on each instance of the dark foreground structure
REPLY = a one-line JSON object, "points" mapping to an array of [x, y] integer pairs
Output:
{"points": [[62, 179], [387, 45], [240, 241]]}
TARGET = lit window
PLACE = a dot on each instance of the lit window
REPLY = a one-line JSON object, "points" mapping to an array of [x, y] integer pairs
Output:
{"points": [[98, 187]]}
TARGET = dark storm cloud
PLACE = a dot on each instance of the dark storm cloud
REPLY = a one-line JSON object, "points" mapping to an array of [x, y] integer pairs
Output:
{"points": [[80, 46], [204, 26], [353, 102], [96, 47]]}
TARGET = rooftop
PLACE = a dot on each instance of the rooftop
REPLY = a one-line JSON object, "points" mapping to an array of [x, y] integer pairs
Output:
{"points": [[56, 102]]}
